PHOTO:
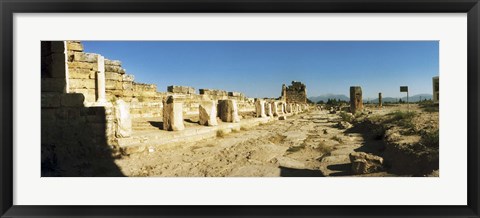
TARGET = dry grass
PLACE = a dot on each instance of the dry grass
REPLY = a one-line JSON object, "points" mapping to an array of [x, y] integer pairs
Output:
{"points": [[296, 148], [337, 138]]}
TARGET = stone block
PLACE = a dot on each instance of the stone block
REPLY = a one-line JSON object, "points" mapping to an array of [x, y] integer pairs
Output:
{"points": [[82, 83], [128, 78], [54, 65], [181, 89], [363, 163], [74, 46], [356, 101], [79, 73], [208, 113], [83, 65], [122, 119], [173, 114], [72, 100], [85, 57], [57, 46], [53, 85], [235, 94], [113, 62], [113, 84], [115, 69], [213, 92], [260, 108], [50, 100], [113, 76], [228, 111], [89, 94]]}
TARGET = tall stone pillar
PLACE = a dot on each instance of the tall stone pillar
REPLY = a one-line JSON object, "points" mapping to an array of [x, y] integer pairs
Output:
{"points": [[123, 120], [268, 109], [260, 108], [275, 108], [356, 101], [228, 111], [283, 111], [207, 113], [100, 81], [379, 99], [173, 114]]}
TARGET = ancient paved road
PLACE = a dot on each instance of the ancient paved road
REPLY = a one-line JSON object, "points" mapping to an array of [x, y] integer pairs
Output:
{"points": [[307, 144]]}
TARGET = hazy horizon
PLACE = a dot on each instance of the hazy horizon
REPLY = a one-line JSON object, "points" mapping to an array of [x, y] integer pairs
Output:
{"points": [[259, 68]]}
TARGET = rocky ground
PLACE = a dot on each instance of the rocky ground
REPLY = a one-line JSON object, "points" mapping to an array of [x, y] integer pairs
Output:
{"points": [[315, 143]]}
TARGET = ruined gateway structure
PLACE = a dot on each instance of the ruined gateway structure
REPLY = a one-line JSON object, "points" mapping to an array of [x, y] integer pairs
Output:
{"points": [[295, 93], [92, 108]]}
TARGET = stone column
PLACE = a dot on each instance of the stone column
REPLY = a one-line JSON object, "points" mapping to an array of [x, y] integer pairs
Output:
{"points": [[100, 81], [123, 120], [282, 114], [274, 105], [228, 111], [173, 114], [260, 108], [379, 99], [268, 109], [356, 101], [208, 113]]}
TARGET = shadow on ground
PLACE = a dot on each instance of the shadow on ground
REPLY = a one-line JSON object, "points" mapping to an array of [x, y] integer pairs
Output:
{"points": [[157, 124]]}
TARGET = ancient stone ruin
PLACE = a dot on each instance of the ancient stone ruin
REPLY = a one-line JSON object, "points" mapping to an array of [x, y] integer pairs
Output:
{"points": [[90, 102], [295, 93], [356, 101], [379, 99]]}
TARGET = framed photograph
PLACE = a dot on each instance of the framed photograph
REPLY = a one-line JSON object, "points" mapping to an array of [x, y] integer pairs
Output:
{"points": [[239, 108]]}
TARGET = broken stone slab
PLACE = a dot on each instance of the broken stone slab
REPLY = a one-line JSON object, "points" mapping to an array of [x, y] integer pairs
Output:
{"points": [[173, 114], [181, 89], [113, 62], [123, 120], [213, 92], [228, 111], [260, 108], [344, 125], [282, 117], [363, 163], [208, 113]]}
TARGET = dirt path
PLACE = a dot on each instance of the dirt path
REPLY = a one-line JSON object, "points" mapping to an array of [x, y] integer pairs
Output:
{"points": [[308, 144]]}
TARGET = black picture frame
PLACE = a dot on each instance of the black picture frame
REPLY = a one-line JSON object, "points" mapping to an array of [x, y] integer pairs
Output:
{"points": [[9, 7]]}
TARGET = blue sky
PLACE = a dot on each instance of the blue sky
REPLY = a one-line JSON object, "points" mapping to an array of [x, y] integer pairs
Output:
{"points": [[259, 68]]}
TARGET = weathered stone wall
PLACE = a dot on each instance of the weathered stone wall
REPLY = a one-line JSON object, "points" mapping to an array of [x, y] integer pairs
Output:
{"points": [[53, 69], [295, 93]]}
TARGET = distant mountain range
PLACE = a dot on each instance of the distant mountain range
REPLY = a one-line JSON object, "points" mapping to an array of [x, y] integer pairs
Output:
{"points": [[325, 97], [414, 98]]}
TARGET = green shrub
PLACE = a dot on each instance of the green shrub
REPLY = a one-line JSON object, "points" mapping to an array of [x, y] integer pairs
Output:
{"points": [[403, 118], [430, 139], [346, 117]]}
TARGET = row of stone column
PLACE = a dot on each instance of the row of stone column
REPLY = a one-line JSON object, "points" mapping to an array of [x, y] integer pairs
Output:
{"points": [[265, 108], [226, 110]]}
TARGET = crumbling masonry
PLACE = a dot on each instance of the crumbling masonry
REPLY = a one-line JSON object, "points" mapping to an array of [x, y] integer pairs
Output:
{"points": [[90, 102], [295, 93]]}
